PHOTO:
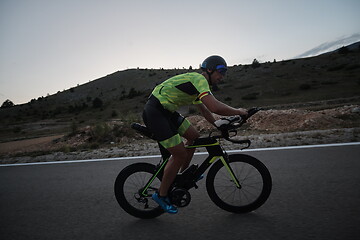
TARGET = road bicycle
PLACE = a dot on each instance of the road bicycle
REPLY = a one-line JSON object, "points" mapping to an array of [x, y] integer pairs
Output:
{"points": [[236, 183]]}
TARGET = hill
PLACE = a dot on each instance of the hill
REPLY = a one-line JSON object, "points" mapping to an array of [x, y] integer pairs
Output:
{"points": [[324, 81]]}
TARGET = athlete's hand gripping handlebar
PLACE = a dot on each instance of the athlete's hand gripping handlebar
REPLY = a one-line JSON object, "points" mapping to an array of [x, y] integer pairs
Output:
{"points": [[230, 124]]}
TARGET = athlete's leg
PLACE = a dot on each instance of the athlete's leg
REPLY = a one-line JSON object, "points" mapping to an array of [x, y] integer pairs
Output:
{"points": [[180, 159], [168, 128], [190, 135], [178, 154]]}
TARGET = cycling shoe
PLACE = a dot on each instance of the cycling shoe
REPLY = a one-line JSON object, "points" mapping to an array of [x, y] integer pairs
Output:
{"points": [[164, 203]]}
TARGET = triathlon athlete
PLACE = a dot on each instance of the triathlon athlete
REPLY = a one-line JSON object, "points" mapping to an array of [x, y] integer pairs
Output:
{"points": [[168, 126]]}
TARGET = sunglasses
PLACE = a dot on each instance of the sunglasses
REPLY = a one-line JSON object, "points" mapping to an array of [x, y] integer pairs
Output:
{"points": [[221, 69]]}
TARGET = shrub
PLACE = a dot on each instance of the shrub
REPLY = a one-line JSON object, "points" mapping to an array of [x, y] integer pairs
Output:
{"points": [[133, 93], [7, 104], [97, 103], [255, 64], [122, 130], [100, 132], [114, 113], [105, 132]]}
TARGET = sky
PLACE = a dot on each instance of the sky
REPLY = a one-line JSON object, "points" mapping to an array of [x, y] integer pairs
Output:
{"points": [[48, 46]]}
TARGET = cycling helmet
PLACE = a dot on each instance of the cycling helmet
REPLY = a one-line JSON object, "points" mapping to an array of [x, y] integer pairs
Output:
{"points": [[214, 63]]}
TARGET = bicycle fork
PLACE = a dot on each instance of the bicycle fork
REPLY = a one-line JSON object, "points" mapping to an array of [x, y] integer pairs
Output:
{"points": [[225, 162]]}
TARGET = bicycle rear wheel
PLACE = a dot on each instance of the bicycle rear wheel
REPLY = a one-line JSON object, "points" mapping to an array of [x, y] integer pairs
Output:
{"points": [[253, 176], [129, 186]]}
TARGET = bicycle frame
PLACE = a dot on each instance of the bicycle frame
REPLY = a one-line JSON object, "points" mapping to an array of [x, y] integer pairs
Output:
{"points": [[246, 186], [215, 152]]}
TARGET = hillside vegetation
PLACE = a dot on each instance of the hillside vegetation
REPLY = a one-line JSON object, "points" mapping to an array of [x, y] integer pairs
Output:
{"points": [[328, 80]]}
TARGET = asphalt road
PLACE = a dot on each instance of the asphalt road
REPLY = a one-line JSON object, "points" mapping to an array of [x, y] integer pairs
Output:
{"points": [[316, 195]]}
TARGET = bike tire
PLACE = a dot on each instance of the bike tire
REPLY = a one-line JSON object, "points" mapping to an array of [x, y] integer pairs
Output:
{"points": [[129, 182], [254, 178]]}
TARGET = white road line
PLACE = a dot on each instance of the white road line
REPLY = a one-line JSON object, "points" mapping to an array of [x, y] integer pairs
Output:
{"points": [[199, 153]]}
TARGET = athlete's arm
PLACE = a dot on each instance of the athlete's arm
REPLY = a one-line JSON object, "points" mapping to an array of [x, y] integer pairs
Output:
{"points": [[220, 108], [206, 113]]}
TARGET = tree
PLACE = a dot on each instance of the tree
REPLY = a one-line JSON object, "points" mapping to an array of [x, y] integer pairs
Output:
{"points": [[7, 104], [255, 64], [133, 93]]}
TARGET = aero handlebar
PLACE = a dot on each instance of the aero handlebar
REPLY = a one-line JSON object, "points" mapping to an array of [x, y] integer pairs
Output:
{"points": [[230, 124]]}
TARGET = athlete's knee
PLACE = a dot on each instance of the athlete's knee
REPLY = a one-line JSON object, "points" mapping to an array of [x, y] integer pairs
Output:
{"points": [[191, 134], [179, 152]]}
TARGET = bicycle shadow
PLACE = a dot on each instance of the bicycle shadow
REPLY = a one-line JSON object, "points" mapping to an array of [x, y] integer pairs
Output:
{"points": [[195, 226]]}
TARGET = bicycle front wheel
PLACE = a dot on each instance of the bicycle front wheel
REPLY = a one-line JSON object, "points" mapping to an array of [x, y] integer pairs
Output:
{"points": [[130, 194], [255, 184]]}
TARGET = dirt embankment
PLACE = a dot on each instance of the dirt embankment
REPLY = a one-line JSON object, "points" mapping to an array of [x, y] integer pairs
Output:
{"points": [[291, 120], [270, 128]]}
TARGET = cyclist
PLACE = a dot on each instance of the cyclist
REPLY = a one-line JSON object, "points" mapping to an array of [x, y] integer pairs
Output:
{"points": [[168, 126]]}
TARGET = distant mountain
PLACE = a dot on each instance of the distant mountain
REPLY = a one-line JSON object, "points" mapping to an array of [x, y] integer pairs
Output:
{"points": [[331, 46]]}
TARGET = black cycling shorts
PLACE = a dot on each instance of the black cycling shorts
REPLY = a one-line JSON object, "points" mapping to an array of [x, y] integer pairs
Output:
{"points": [[167, 127]]}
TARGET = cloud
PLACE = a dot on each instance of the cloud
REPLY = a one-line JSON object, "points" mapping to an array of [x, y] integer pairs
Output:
{"points": [[331, 46]]}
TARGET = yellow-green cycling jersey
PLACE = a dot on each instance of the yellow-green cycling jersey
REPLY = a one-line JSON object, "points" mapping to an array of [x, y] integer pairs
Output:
{"points": [[181, 90]]}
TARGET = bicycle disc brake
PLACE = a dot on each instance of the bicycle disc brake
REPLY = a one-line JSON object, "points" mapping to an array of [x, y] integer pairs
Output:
{"points": [[180, 197]]}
